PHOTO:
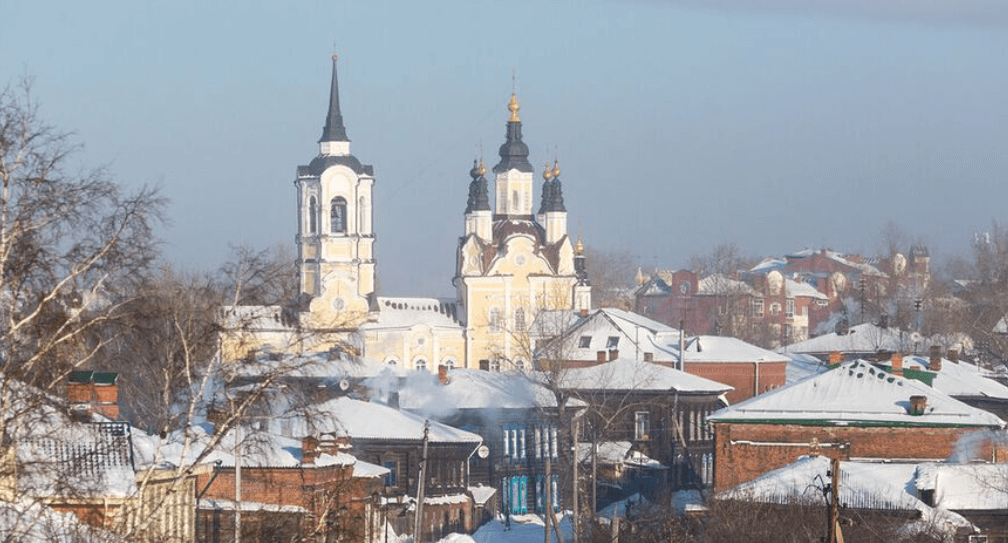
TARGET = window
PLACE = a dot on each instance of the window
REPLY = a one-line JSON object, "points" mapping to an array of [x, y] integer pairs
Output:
{"points": [[392, 362], [312, 215], [337, 215], [774, 309], [642, 425], [420, 364], [495, 365], [519, 364], [450, 364], [585, 342], [390, 479], [495, 319], [819, 303], [520, 319], [789, 308], [649, 357], [757, 308], [612, 342]]}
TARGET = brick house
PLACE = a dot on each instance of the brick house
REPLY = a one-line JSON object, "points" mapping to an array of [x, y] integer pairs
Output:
{"points": [[289, 489], [853, 410]]}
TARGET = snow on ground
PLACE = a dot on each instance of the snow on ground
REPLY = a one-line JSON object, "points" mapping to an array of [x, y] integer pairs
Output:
{"points": [[522, 529], [27, 522]]}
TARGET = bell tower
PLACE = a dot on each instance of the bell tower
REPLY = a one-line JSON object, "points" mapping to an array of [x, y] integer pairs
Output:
{"points": [[335, 238]]}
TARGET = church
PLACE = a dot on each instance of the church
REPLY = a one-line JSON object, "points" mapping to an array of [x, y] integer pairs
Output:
{"points": [[514, 263]]}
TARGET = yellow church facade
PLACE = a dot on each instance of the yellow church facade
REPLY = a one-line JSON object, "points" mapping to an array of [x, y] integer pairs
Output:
{"points": [[514, 262]]}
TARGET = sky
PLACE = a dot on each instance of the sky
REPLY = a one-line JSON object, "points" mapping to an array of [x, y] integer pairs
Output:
{"points": [[678, 125]]}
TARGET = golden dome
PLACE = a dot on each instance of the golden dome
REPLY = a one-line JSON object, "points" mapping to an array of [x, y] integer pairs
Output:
{"points": [[547, 173], [556, 169], [513, 107], [482, 168], [579, 248]]}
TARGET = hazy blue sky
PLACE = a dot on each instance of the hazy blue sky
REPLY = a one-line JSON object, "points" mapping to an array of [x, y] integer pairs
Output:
{"points": [[776, 124]]}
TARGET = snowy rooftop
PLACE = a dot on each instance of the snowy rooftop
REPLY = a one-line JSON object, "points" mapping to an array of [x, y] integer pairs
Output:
{"points": [[371, 420], [617, 453], [797, 289], [963, 487], [726, 349], [864, 485], [863, 338], [630, 374], [856, 393], [409, 312], [323, 365], [475, 389], [720, 284], [959, 378], [258, 449]]}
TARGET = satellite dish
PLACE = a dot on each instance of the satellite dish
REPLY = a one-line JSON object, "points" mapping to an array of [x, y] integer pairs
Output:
{"points": [[483, 451], [344, 385]]}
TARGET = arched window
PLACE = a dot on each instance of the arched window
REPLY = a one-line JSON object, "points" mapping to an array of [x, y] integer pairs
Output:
{"points": [[495, 319], [450, 364], [520, 320], [312, 215], [421, 364], [337, 215], [392, 362]]}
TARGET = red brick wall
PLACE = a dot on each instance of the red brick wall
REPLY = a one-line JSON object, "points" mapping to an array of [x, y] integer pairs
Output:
{"points": [[741, 375], [759, 448]]}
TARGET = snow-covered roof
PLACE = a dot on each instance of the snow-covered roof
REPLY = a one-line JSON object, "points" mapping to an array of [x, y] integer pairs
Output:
{"points": [[636, 375], [959, 378], [768, 264], [482, 494], [863, 338], [966, 487], [856, 393], [866, 485], [633, 333], [475, 389], [725, 349], [77, 459], [621, 453], [801, 366], [357, 419], [721, 284], [221, 504], [258, 449], [28, 521], [334, 366], [406, 313], [796, 289]]}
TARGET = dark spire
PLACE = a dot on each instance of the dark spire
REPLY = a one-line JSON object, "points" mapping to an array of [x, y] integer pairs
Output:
{"points": [[514, 152], [580, 266], [334, 129], [479, 196], [547, 189], [556, 198]]}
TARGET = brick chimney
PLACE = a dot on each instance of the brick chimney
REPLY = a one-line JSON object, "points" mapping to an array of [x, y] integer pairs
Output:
{"points": [[835, 358], [953, 355], [917, 405], [309, 450], [613, 354], [442, 374], [896, 364], [90, 392], [936, 358]]}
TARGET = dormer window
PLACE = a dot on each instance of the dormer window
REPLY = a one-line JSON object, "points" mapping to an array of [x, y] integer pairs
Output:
{"points": [[585, 342], [612, 342], [337, 215]]}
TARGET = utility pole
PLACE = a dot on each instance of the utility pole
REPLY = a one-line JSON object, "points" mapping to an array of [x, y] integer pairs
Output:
{"points": [[421, 479], [833, 531], [238, 482], [574, 469]]}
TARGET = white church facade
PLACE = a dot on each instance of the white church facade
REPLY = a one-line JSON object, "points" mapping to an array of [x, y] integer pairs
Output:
{"points": [[513, 263]]}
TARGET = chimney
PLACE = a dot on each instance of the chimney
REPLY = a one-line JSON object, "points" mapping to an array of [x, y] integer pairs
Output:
{"points": [[393, 399], [584, 312], [90, 392], [613, 354], [936, 358], [600, 356], [309, 450], [953, 355], [917, 405], [896, 363], [442, 374], [835, 358]]}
